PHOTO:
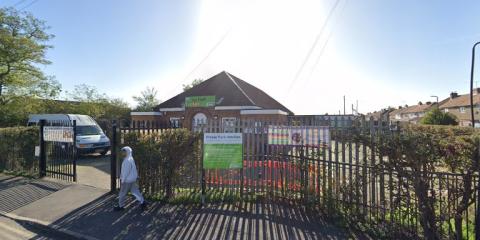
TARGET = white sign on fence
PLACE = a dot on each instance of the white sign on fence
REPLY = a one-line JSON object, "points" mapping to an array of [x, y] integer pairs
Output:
{"points": [[37, 151], [57, 134]]}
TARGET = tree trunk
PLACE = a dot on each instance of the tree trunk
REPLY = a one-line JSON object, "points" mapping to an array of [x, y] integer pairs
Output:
{"points": [[427, 211]]}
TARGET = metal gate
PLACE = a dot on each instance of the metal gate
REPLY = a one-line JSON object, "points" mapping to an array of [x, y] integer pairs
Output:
{"points": [[58, 153]]}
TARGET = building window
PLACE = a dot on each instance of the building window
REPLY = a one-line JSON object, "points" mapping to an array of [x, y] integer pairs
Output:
{"points": [[446, 110], [175, 122], [229, 124], [462, 109], [198, 121]]}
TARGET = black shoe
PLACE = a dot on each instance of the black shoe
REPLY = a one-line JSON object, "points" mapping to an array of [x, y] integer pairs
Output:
{"points": [[117, 208], [143, 206]]}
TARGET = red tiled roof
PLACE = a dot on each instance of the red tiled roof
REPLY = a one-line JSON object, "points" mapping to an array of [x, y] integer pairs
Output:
{"points": [[229, 91], [461, 101]]}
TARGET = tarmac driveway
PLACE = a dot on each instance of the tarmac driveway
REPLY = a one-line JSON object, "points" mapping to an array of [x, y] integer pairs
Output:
{"points": [[94, 170]]}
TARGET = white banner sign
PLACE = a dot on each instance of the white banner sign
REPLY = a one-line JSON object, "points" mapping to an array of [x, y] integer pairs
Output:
{"points": [[57, 134]]}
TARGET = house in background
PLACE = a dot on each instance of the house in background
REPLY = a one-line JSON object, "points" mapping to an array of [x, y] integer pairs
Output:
{"points": [[459, 106], [223, 97], [411, 114]]}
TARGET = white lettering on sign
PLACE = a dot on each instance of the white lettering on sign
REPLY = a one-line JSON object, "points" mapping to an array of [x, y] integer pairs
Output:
{"points": [[222, 138], [58, 134]]}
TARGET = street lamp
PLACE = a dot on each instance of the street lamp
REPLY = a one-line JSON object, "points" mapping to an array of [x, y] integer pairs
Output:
{"points": [[471, 83], [433, 96]]}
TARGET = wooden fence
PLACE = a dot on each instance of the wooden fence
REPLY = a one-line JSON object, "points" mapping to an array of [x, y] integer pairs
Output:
{"points": [[345, 178]]}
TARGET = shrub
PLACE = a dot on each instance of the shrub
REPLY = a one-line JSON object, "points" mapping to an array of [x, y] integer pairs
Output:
{"points": [[418, 153], [165, 159], [437, 117], [17, 149]]}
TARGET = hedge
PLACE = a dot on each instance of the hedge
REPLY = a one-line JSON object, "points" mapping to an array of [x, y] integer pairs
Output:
{"points": [[17, 150]]}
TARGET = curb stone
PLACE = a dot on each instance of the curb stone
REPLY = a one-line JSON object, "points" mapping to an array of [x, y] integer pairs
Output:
{"points": [[52, 227]]}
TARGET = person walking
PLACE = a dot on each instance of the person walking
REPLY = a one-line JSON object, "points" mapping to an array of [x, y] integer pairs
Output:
{"points": [[128, 180]]}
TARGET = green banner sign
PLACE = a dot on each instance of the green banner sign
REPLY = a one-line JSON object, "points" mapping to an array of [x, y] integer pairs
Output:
{"points": [[222, 150], [200, 101]]}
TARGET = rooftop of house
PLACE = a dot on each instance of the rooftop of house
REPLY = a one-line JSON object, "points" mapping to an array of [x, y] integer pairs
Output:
{"points": [[456, 100], [229, 91]]}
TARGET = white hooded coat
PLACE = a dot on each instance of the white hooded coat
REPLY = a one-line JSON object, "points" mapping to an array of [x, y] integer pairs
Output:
{"points": [[128, 172]]}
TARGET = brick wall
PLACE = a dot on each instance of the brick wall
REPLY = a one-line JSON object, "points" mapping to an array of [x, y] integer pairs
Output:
{"points": [[186, 116]]}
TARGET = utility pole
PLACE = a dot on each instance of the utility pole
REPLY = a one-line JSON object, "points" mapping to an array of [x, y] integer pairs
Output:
{"points": [[344, 112], [471, 84]]}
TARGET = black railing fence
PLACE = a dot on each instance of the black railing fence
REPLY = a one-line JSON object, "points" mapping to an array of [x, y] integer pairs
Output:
{"points": [[348, 177]]}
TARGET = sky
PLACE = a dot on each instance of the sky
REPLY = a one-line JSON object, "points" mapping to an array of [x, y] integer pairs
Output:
{"points": [[307, 54]]}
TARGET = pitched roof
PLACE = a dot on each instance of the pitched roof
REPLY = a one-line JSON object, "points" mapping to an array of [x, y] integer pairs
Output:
{"points": [[229, 91], [417, 108], [460, 101]]}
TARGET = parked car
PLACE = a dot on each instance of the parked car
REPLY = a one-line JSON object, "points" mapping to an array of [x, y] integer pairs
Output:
{"points": [[90, 137]]}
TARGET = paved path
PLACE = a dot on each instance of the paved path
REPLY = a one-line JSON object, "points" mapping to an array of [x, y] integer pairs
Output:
{"points": [[81, 210], [219, 221], [23, 230], [16, 192], [94, 170]]}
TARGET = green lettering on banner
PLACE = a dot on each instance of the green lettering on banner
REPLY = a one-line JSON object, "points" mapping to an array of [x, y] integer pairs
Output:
{"points": [[200, 101], [222, 151]]}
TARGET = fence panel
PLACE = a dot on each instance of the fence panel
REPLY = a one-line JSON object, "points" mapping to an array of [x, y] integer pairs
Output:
{"points": [[348, 175]]}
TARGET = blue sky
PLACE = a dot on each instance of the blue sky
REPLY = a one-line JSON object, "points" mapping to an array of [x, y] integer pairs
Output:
{"points": [[381, 53]]}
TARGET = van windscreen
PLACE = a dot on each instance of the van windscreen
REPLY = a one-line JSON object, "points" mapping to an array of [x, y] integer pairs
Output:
{"points": [[88, 130]]}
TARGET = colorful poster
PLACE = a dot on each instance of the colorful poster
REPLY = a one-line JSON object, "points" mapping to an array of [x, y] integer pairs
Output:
{"points": [[200, 101], [222, 150], [57, 134], [315, 136]]}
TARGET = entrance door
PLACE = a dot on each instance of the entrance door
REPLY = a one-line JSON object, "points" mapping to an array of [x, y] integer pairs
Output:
{"points": [[198, 121]]}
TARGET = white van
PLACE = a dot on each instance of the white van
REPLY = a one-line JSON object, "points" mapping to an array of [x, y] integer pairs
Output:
{"points": [[90, 137]]}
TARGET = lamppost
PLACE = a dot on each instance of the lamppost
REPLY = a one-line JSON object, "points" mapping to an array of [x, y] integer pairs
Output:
{"points": [[433, 96], [477, 217], [471, 83]]}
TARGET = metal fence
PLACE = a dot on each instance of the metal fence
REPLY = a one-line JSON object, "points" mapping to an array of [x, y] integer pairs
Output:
{"points": [[345, 177]]}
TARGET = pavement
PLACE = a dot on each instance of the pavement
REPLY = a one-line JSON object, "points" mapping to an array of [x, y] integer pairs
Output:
{"points": [[48, 209]]}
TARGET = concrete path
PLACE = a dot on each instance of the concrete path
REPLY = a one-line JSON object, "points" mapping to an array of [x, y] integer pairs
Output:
{"points": [[215, 221], [85, 212], [58, 204], [94, 170]]}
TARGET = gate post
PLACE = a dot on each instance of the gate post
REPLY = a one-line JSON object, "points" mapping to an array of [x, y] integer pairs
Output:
{"points": [[75, 152], [42, 165], [113, 158]]}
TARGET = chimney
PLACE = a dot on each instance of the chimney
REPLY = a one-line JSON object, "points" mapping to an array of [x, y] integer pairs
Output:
{"points": [[453, 95], [476, 91]]}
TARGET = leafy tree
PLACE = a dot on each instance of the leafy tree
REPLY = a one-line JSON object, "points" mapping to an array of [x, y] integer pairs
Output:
{"points": [[194, 83], [147, 100], [437, 117], [86, 99], [23, 46]]}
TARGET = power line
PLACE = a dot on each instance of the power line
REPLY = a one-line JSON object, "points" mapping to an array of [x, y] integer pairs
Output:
{"points": [[18, 3], [310, 51], [203, 59], [322, 50], [28, 5]]}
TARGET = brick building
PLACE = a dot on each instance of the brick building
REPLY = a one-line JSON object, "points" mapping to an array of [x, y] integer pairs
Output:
{"points": [[459, 106], [222, 97]]}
